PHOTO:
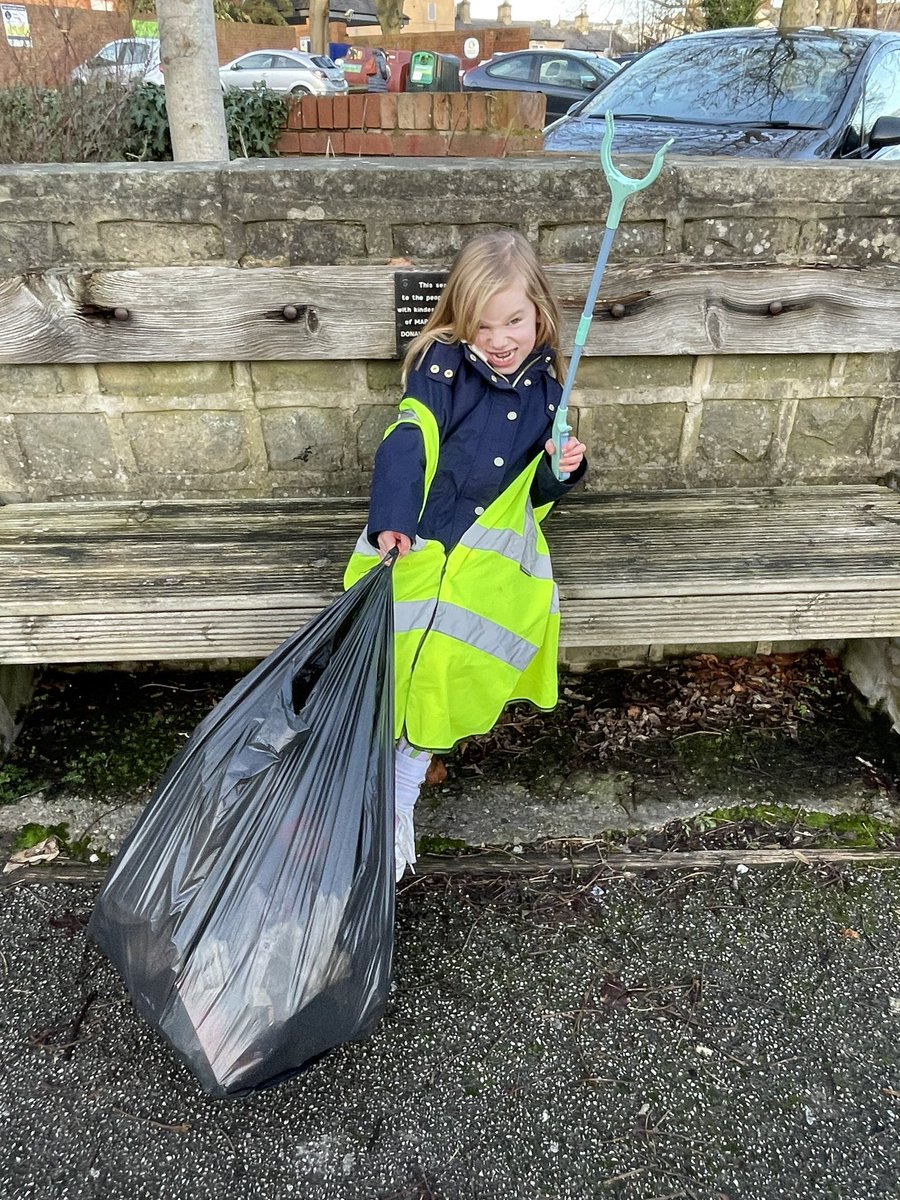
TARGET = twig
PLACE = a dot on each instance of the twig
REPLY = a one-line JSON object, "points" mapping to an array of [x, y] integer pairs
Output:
{"points": [[183, 1128]]}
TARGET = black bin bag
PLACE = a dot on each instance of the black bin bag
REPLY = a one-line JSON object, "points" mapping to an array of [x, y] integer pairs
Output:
{"points": [[250, 911]]}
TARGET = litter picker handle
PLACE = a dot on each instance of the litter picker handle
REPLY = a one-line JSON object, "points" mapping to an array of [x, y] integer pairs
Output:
{"points": [[621, 187]]}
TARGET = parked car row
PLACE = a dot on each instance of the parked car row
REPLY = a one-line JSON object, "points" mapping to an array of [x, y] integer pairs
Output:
{"points": [[290, 72], [756, 93], [795, 94]]}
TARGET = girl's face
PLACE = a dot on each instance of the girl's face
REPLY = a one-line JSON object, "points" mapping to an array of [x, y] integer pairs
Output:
{"points": [[507, 330]]}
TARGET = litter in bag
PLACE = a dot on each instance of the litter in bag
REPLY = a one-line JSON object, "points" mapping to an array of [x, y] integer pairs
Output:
{"points": [[250, 911]]}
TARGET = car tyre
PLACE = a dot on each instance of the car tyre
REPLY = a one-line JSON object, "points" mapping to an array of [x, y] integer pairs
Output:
{"points": [[300, 90]]}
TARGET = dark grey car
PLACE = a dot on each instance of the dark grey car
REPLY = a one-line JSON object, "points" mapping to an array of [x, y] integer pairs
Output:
{"points": [[563, 76], [759, 93]]}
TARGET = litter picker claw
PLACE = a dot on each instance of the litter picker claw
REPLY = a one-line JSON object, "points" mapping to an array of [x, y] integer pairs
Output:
{"points": [[621, 187]]}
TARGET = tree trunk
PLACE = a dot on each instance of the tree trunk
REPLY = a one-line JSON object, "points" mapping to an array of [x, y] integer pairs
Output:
{"points": [[187, 39], [390, 16], [318, 26], [797, 13]]}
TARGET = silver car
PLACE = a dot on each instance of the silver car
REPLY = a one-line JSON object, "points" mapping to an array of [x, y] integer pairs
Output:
{"points": [[290, 72], [127, 60]]}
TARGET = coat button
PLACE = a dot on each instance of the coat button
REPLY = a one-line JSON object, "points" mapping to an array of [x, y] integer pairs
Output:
{"points": [[478, 511], [551, 407], [498, 462], [493, 379], [472, 357], [528, 383], [512, 416], [448, 374], [434, 368]]}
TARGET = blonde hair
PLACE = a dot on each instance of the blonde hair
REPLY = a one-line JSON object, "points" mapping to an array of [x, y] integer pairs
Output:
{"points": [[488, 264]]}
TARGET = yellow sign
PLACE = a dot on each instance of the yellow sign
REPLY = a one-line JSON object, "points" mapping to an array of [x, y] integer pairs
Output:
{"points": [[16, 26]]}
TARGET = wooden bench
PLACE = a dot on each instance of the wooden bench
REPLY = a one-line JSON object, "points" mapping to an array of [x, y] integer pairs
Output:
{"points": [[207, 579], [196, 580]]}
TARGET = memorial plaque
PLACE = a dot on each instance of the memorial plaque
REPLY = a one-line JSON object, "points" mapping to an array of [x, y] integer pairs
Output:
{"points": [[415, 295]]}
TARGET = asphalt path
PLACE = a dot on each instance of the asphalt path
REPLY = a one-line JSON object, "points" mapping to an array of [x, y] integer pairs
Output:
{"points": [[707, 1035]]}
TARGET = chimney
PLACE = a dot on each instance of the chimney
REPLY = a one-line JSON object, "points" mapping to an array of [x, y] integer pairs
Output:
{"points": [[504, 13], [464, 12], [582, 24]]}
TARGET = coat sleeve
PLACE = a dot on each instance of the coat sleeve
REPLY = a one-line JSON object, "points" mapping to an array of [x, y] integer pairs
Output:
{"points": [[398, 483], [546, 488], [398, 478]]}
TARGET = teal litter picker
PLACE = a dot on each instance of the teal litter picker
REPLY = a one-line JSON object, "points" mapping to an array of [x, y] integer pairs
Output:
{"points": [[621, 187]]}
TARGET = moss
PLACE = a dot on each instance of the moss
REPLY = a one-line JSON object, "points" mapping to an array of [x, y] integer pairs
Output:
{"points": [[439, 845]]}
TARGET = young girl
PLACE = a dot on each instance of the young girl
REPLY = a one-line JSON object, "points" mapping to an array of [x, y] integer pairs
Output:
{"points": [[461, 483]]}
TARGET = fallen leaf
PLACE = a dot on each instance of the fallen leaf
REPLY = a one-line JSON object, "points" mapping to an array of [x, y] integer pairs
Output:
{"points": [[849, 933], [44, 851]]}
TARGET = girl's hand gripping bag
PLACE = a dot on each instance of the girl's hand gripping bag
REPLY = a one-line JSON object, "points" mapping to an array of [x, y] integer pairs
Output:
{"points": [[250, 911]]}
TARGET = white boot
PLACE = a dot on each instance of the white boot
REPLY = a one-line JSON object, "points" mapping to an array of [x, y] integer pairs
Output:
{"points": [[410, 768]]}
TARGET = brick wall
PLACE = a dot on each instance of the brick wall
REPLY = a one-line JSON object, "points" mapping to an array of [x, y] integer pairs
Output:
{"points": [[64, 37], [424, 124]]}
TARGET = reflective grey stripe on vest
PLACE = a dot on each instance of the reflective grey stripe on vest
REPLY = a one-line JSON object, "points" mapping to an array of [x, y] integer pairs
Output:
{"points": [[554, 603], [484, 635], [411, 615], [521, 548]]}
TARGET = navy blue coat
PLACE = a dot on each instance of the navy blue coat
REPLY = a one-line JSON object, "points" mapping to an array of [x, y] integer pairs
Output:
{"points": [[490, 429]]}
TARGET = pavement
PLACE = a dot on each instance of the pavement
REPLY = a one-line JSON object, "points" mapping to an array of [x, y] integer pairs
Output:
{"points": [[724, 1032], [727, 1034]]}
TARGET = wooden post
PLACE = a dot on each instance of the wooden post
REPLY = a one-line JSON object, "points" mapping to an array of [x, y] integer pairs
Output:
{"points": [[16, 689]]}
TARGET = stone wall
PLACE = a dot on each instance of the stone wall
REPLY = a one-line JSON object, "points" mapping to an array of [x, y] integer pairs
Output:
{"points": [[270, 428]]}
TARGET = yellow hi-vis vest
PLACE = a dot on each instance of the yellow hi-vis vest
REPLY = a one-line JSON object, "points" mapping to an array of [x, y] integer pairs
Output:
{"points": [[478, 627]]}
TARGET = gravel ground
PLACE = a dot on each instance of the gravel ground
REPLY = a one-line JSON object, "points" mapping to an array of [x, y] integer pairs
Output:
{"points": [[706, 1036]]}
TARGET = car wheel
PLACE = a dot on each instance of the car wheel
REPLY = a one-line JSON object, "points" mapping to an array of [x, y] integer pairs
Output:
{"points": [[300, 90]]}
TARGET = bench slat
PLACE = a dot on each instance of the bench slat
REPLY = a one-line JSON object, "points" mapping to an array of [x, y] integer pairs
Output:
{"points": [[123, 581]]}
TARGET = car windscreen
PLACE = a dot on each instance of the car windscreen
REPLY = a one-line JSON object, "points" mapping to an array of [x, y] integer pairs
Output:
{"points": [[752, 81]]}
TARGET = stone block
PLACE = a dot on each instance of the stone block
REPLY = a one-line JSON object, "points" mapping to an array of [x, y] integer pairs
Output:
{"points": [[187, 443], [831, 431], [11, 475], [371, 422], [861, 371], [326, 242], [636, 373], [266, 243], [66, 446], [384, 376], [768, 376], [720, 239], [338, 383], [27, 381], [311, 439], [859, 240], [736, 433], [637, 436], [581, 243], [436, 243], [165, 379], [159, 243], [28, 244]]}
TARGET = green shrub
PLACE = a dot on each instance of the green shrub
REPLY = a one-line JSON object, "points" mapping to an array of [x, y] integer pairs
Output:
{"points": [[106, 123]]}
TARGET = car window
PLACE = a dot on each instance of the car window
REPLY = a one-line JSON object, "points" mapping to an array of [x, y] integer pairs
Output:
{"points": [[254, 62], [752, 81], [280, 62], [881, 91], [108, 55], [321, 61], [513, 66], [563, 72], [135, 52]]}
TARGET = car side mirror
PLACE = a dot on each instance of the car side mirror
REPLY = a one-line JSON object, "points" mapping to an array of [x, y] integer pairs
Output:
{"points": [[885, 132]]}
